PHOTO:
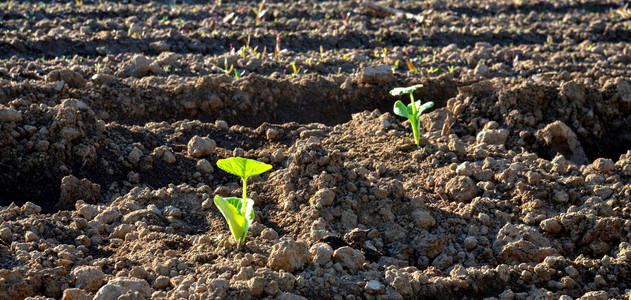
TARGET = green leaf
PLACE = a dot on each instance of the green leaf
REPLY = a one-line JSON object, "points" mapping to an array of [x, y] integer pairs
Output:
{"points": [[243, 167], [404, 90], [249, 217], [424, 107], [400, 109], [229, 208], [410, 110]]}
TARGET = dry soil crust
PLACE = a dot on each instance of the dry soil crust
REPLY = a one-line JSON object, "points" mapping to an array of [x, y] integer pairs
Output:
{"points": [[112, 118]]}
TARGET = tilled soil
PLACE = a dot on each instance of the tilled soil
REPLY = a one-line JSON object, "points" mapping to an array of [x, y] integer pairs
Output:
{"points": [[113, 116]]}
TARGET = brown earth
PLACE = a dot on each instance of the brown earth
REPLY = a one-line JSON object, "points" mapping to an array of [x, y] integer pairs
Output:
{"points": [[520, 189]]}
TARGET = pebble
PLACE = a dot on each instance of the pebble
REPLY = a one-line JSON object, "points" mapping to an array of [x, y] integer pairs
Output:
{"points": [[492, 136], [485, 219], [534, 178], [30, 236], [154, 209], [9, 114], [169, 157], [423, 219], [108, 216], [138, 67], [121, 285], [349, 258], [204, 166], [103, 79], [161, 282], [374, 287], [134, 155], [135, 30], [207, 204], [481, 69], [69, 77], [464, 169], [277, 156], [323, 197], [87, 211], [551, 226], [30, 208], [273, 133], [269, 234], [603, 165], [321, 253], [461, 188], [470, 242], [200, 146], [560, 138], [288, 255], [221, 124], [380, 74], [174, 212], [75, 294], [5, 234], [88, 278]]}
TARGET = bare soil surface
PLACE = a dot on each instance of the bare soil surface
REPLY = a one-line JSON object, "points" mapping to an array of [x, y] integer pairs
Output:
{"points": [[113, 116]]}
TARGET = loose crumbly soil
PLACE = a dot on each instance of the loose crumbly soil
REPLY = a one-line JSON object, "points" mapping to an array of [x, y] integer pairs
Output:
{"points": [[113, 116]]}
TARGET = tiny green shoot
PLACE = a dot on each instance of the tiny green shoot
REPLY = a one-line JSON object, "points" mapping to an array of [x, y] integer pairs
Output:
{"points": [[259, 11], [413, 111], [239, 212], [293, 67], [411, 66], [321, 52]]}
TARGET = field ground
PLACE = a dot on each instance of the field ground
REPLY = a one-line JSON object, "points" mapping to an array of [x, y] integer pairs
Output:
{"points": [[113, 116]]}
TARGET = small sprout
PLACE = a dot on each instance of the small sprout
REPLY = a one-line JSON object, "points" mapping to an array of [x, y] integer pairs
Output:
{"points": [[411, 66], [321, 52], [451, 69], [228, 17], [296, 70], [413, 111], [239, 212], [277, 48], [549, 41], [345, 16], [260, 12], [225, 69]]}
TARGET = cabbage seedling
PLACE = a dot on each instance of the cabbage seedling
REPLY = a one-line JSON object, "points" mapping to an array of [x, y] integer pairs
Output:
{"points": [[239, 213], [413, 111]]}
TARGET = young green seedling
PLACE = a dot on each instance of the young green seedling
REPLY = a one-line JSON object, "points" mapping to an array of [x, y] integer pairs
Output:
{"points": [[239, 212], [413, 111]]}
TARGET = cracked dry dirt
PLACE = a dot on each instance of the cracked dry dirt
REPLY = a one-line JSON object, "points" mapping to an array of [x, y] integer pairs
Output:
{"points": [[113, 116]]}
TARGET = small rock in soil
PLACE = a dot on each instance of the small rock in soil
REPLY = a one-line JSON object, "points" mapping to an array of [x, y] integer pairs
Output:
{"points": [[73, 189], [380, 74], [200, 146], [461, 188], [288, 255], [349, 258], [88, 278], [559, 138]]}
